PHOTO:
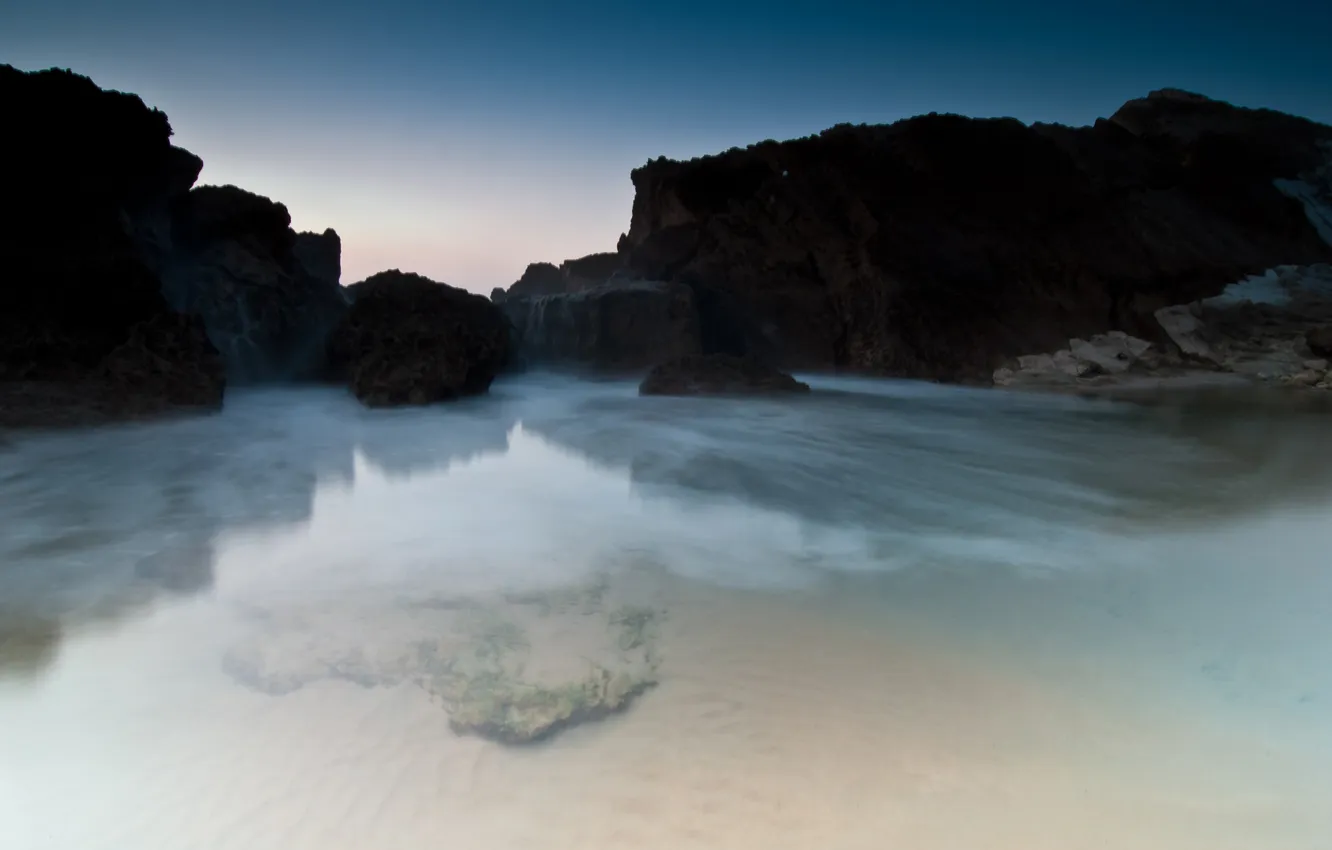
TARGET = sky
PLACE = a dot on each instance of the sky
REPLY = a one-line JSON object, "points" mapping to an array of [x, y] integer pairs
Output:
{"points": [[464, 140]]}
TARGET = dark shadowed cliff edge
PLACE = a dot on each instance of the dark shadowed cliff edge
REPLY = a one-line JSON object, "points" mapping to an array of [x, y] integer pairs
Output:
{"points": [[940, 246]]}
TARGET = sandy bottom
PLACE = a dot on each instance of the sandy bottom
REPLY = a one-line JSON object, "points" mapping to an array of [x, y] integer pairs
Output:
{"points": [[780, 721], [884, 617]]}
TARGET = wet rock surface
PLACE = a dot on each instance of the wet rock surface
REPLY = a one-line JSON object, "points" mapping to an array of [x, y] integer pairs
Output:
{"points": [[512, 668], [718, 374], [407, 340]]}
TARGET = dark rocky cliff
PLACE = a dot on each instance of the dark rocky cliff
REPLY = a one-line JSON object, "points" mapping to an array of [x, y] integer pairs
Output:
{"points": [[123, 290], [87, 176], [938, 246]]}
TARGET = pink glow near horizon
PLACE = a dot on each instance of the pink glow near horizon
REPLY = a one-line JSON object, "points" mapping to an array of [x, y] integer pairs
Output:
{"points": [[457, 207], [472, 238]]}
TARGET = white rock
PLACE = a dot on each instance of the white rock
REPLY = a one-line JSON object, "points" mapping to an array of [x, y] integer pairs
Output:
{"points": [[1316, 365], [1067, 364], [1316, 208], [1185, 330], [1112, 352], [1307, 378]]}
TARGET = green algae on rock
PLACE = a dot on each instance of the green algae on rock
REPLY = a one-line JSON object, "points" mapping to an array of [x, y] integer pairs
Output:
{"points": [[515, 669], [518, 686], [512, 711]]}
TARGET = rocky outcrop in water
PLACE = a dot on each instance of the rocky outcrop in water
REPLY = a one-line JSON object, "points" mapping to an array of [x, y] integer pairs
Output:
{"points": [[718, 374], [623, 324], [85, 332], [1266, 329], [940, 246], [268, 295], [407, 340]]}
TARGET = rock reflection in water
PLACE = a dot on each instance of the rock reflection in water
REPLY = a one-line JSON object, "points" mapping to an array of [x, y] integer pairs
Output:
{"points": [[100, 524], [880, 613]]}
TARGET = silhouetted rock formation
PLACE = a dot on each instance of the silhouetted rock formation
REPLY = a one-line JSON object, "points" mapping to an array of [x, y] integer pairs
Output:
{"points": [[268, 295], [409, 340], [104, 247], [939, 246], [569, 276], [83, 322], [590, 271], [618, 325], [539, 279], [718, 374]]}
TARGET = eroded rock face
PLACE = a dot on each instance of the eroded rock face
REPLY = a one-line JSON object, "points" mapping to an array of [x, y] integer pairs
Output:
{"points": [[268, 295], [618, 325], [940, 246], [407, 340], [718, 374], [88, 176]]}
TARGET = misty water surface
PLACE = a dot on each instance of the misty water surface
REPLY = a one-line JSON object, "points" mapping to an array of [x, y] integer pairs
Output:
{"points": [[896, 610]]}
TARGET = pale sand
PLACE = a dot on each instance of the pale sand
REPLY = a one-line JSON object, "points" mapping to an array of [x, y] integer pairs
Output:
{"points": [[775, 725]]}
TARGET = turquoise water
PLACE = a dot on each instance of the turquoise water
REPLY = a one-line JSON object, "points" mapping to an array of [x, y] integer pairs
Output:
{"points": [[890, 614]]}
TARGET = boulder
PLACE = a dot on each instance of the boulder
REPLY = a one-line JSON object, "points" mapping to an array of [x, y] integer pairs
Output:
{"points": [[407, 340], [618, 325], [718, 374], [940, 247], [268, 295], [1111, 353], [1184, 326]]}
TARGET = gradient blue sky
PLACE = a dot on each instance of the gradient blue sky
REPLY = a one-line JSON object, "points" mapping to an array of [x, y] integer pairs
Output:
{"points": [[465, 140]]}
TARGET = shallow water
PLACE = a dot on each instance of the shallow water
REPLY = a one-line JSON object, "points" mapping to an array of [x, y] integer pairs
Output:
{"points": [[887, 615]]}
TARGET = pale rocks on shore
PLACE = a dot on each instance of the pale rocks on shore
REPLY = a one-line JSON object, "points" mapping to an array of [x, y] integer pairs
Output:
{"points": [[1266, 329]]}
